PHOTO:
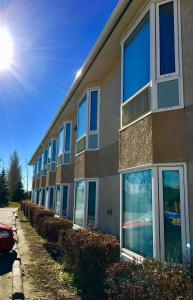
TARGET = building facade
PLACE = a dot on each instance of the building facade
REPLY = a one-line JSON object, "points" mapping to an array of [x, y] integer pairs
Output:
{"points": [[118, 156]]}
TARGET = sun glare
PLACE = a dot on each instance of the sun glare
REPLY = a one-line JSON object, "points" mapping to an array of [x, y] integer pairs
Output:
{"points": [[6, 49]]}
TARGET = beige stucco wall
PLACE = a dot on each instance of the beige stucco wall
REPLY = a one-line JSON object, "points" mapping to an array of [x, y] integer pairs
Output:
{"points": [[64, 173], [187, 49], [42, 181], [109, 204]]}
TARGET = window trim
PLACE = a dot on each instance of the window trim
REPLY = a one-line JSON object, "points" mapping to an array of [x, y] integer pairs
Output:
{"points": [[157, 226], [63, 126]]}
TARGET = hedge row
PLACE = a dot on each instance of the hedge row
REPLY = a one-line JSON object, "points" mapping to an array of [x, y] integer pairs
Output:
{"points": [[151, 279], [44, 222], [93, 258], [87, 254]]}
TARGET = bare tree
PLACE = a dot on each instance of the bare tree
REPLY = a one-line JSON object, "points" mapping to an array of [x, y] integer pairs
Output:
{"points": [[14, 173]]}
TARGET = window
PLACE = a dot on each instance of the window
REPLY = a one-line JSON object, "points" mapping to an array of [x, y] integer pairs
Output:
{"points": [[86, 199], [49, 152], [151, 79], [61, 141], [93, 111], [43, 194], [153, 214], [67, 137], [92, 194], [51, 197], [167, 38], [82, 118], [79, 203], [45, 157], [47, 197], [52, 152], [136, 72], [58, 200], [137, 213], [64, 206]]}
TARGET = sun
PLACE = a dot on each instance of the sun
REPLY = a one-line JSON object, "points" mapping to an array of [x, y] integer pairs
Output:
{"points": [[6, 49]]}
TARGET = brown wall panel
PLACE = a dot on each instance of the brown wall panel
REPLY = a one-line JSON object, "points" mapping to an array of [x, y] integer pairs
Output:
{"points": [[64, 174], [42, 181]]}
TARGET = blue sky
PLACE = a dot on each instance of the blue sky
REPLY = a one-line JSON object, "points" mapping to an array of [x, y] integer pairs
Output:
{"points": [[52, 39]]}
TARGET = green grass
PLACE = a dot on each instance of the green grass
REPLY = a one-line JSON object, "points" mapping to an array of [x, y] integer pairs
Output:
{"points": [[13, 204]]}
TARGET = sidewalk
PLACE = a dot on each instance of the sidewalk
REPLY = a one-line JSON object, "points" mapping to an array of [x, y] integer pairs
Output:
{"points": [[41, 274]]}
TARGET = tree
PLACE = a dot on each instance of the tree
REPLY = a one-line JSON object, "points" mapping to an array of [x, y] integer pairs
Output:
{"points": [[3, 188], [19, 192], [14, 175]]}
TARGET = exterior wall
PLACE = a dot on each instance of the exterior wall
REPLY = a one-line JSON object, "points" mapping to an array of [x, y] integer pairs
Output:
{"points": [[136, 144], [64, 174], [51, 178], [187, 49], [33, 184], [109, 207], [169, 136], [37, 184], [42, 181]]}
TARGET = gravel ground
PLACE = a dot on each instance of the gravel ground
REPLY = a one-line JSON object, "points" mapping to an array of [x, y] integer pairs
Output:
{"points": [[6, 261]]}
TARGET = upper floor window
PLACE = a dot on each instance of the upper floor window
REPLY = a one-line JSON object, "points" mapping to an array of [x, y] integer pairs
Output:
{"points": [[150, 63], [52, 152], [64, 150], [137, 60], [88, 122]]}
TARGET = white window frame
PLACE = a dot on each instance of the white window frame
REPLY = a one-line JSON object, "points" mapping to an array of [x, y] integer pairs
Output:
{"points": [[153, 8], [54, 196], [69, 151], [60, 129], [89, 132], [157, 211], [85, 218]]}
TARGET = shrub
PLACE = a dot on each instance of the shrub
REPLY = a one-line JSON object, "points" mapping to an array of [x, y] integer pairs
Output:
{"points": [[151, 279], [88, 254], [39, 216], [52, 226]]}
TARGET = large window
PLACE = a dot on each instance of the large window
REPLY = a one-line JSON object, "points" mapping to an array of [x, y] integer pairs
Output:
{"points": [[52, 152], [137, 60], [86, 195], [137, 213], [64, 204], [64, 152], [61, 141], [151, 79], [88, 122], [153, 214]]}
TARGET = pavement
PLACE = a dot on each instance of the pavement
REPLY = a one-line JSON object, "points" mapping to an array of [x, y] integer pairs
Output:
{"points": [[6, 261]]}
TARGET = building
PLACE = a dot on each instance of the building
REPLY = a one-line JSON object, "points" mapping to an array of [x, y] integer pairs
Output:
{"points": [[119, 154]]}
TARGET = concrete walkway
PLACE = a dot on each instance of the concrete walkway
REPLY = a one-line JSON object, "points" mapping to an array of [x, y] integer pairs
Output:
{"points": [[6, 261]]}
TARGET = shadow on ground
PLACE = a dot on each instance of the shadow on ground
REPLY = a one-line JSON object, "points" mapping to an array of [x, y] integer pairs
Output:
{"points": [[6, 262]]}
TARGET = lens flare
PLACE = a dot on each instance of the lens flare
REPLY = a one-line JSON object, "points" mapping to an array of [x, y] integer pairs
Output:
{"points": [[6, 49]]}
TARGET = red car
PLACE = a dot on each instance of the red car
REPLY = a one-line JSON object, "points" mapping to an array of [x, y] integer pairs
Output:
{"points": [[7, 239]]}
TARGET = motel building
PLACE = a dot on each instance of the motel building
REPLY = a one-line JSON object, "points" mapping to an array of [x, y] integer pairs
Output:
{"points": [[118, 155]]}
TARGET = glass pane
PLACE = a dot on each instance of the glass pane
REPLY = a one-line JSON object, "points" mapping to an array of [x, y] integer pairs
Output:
{"points": [[136, 69], [93, 110], [79, 203], [167, 43], [82, 118], [43, 197], [54, 148], [49, 152], [51, 204], [57, 206], [37, 195], [61, 142], [64, 201], [137, 213], [91, 203], [45, 157], [172, 217], [47, 198], [168, 93], [67, 137]]}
